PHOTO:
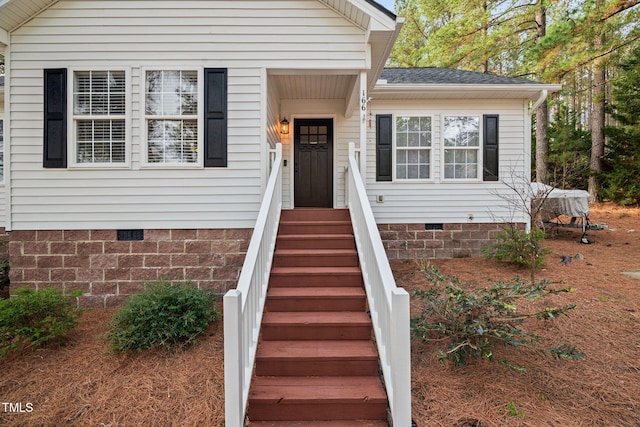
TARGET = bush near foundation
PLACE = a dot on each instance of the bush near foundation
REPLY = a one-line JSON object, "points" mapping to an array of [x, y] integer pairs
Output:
{"points": [[474, 324], [35, 318], [165, 315]]}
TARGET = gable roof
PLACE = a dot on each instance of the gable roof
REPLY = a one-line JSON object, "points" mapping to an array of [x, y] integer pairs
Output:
{"points": [[443, 83]]}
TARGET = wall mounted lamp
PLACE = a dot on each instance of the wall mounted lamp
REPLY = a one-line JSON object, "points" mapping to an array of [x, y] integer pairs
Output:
{"points": [[284, 126]]}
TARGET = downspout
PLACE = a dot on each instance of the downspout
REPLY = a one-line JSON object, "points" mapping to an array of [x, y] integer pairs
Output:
{"points": [[540, 100]]}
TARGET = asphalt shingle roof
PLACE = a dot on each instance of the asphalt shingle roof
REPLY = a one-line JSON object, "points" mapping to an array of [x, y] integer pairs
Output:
{"points": [[382, 8], [432, 75]]}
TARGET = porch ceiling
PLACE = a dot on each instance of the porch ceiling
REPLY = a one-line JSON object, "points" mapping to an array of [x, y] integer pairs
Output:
{"points": [[314, 86]]}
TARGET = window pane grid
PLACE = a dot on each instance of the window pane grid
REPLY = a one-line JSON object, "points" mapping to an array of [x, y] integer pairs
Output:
{"points": [[100, 141], [462, 142], [461, 131], [99, 102], [172, 141], [171, 93], [171, 107], [413, 142], [99, 93], [460, 163]]}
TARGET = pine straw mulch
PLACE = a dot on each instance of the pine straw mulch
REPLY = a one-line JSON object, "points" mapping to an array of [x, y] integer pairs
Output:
{"points": [[81, 384]]}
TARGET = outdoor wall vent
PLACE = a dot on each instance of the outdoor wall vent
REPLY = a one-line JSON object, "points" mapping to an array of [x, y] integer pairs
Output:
{"points": [[433, 226], [130, 234]]}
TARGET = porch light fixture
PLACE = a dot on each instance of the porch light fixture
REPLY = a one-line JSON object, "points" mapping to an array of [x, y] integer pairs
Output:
{"points": [[284, 126]]}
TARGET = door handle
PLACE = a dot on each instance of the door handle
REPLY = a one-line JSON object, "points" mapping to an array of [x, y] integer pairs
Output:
{"points": [[295, 167]]}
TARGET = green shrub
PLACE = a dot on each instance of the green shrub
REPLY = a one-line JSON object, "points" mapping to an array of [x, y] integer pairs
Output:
{"points": [[4, 266], [164, 315], [4, 273], [473, 323], [35, 318], [519, 248]]}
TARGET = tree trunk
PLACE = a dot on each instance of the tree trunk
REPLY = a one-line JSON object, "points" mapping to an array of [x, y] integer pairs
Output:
{"points": [[542, 113], [597, 123]]}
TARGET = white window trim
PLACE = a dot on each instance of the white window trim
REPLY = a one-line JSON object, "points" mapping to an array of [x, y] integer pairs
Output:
{"points": [[480, 162], [199, 164], [71, 134], [431, 149]]}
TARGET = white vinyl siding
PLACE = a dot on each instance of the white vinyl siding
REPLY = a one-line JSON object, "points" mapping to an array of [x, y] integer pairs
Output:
{"points": [[452, 201], [1, 149], [244, 37]]}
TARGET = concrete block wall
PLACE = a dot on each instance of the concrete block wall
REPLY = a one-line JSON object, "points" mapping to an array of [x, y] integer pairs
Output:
{"points": [[413, 241], [108, 270]]}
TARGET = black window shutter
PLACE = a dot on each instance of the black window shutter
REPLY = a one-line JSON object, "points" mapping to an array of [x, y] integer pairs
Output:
{"points": [[490, 154], [215, 117], [55, 118], [384, 138]]}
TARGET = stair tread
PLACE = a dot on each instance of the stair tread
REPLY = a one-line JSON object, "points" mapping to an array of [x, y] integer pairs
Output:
{"points": [[318, 349], [352, 318], [315, 252], [313, 389], [316, 236], [346, 423], [310, 292], [332, 271], [314, 213], [315, 221]]}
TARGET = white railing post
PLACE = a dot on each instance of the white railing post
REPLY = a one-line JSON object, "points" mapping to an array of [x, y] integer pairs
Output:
{"points": [[233, 370], [401, 342], [388, 304], [243, 306]]}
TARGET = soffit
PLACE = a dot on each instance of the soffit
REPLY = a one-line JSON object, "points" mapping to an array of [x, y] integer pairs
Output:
{"points": [[14, 13]]}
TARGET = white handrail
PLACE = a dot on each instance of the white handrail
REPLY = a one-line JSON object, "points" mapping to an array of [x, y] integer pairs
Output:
{"points": [[389, 304], [244, 305]]}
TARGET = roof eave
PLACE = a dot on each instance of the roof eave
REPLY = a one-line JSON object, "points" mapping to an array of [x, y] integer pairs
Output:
{"points": [[383, 41], [528, 91]]}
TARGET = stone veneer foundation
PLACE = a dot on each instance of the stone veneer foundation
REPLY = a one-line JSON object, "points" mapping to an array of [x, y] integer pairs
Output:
{"points": [[108, 270], [414, 241]]}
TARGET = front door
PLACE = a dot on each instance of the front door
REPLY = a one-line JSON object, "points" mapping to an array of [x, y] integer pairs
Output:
{"points": [[313, 167]]}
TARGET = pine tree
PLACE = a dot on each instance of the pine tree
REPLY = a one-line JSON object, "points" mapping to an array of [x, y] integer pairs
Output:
{"points": [[622, 160]]}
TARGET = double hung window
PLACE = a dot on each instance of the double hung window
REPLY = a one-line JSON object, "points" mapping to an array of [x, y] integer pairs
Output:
{"points": [[171, 115], [461, 147], [413, 147], [99, 116]]}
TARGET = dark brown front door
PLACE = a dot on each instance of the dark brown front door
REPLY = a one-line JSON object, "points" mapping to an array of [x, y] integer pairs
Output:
{"points": [[313, 154]]}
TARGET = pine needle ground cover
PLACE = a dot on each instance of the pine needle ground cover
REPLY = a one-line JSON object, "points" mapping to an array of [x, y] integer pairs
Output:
{"points": [[83, 383]]}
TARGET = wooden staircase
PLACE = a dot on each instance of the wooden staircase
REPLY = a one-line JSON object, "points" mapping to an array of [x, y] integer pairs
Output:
{"points": [[316, 364]]}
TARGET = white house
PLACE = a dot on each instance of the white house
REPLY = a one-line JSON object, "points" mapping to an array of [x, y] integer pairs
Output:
{"points": [[163, 139], [154, 121]]}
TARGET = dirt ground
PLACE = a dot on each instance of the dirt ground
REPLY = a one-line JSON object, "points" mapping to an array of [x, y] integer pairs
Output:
{"points": [[81, 384]]}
